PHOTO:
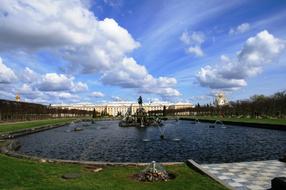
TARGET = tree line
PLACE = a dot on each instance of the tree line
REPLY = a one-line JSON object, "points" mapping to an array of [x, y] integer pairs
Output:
{"points": [[257, 106], [17, 111]]}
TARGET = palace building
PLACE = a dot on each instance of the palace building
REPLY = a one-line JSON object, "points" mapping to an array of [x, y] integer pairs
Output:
{"points": [[121, 108]]}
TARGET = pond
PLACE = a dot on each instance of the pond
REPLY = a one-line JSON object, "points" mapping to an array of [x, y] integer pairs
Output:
{"points": [[106, 141]]}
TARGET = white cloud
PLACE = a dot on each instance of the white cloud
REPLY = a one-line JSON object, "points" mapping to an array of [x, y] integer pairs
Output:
{"points": [[7, 75], [224, 58], [200, 98], [29, 92], [113, 3], [4, 94], [194, 42], [32, 94], [212, 78], [25, 89], [55, 82], [79, 87], [29, 75], [127, 74], [242, 28], [164, 92], [97, 94], [132, 75], [73, 32], [64, 95], [109, 47], [44, 19], [193, 38], [34, 87], [196, 50], [60, 82], [82, 39], [161, 86], [258, 51], [261, 49], [117, 99]]}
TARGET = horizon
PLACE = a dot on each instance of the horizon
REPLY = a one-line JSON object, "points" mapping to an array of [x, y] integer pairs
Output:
{"points": [[115, 50]]}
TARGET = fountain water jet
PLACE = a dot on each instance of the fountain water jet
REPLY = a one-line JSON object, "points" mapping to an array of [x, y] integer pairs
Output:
{"points": [[153, 172], [176, 135], [162, 132], [216, 123]]}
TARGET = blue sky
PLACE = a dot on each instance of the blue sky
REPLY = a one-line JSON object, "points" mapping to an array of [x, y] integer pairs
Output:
{"points": [[164, 50]]}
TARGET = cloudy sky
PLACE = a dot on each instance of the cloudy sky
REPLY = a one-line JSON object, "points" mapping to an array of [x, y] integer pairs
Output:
{"points": [[68, 51]]}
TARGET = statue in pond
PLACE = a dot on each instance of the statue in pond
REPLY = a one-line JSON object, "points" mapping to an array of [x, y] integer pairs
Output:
{"points": [[140, 101], [140, 118]]}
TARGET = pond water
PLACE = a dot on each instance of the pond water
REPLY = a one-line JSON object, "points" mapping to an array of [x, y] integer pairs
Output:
{"points": [[106, 141]]}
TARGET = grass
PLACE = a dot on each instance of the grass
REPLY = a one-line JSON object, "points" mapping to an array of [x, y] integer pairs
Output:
{"points": [[11, 127], [26, 174], [246, 120]]}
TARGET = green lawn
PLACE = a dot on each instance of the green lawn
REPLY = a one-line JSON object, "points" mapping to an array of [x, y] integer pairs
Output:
{"points": [[25, 174], [10, 127], [247, 120]]}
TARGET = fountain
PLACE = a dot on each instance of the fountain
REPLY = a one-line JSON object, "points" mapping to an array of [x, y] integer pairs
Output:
{"points": [[146, 140], [77, 129], [217, 122], [176, 136], [154, 172], [146, 136], [162, 132], [140, 118], [195, 121]]}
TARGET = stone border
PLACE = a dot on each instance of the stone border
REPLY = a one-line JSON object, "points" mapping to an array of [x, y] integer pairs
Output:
{"points": [[192, 164], [243, 124]]}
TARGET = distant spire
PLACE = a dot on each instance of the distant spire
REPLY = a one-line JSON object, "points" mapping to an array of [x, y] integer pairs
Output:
{"points": [[220, 99], [18, 98]]}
